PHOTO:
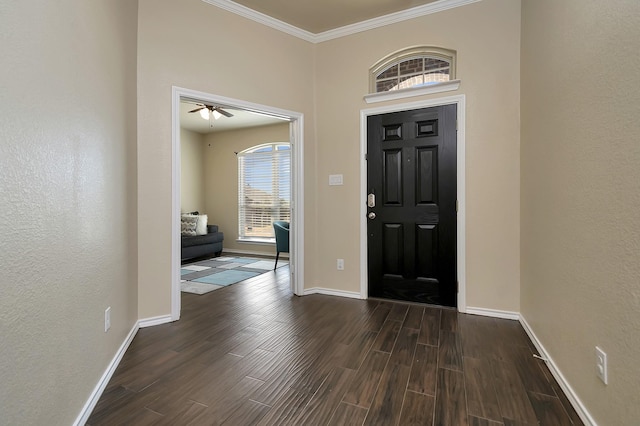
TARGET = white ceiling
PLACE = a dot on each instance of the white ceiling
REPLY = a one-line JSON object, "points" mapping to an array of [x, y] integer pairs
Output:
{"points": [[241, 119]]}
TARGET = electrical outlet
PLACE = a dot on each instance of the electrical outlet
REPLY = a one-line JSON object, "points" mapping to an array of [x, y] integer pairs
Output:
{"points": [[340, 264], [601, 365], [107, 319]]}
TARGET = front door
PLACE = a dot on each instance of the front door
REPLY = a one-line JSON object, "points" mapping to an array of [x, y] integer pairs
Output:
{"points": [[411, 179]]}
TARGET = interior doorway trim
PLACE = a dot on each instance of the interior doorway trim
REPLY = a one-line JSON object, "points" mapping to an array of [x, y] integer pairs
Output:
{"points": [[296, 120], [458, 100]]}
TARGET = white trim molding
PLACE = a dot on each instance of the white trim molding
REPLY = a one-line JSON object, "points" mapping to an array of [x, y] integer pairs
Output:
{"points": [[106, 376], [263, 19], [331, 292], [494, 313], [150, 322], [460, 101], [175, 205], [381, 21], [256, 242], [296, 120], [571, 395], [445, 86], [253, 253]]}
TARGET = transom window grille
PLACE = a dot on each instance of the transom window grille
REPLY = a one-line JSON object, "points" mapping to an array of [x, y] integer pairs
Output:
{"points": [[413, 67], [264, 190]]}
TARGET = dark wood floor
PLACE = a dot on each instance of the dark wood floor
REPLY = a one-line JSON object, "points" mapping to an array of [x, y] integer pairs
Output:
{"points": [[253, 354]]}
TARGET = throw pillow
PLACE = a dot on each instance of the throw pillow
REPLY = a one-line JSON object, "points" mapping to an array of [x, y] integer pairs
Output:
{"points": [[188, 225], [201, 227]]}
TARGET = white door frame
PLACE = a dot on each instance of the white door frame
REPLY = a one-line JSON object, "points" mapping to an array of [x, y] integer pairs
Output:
{"points": [[458, 100], [296, 119]]}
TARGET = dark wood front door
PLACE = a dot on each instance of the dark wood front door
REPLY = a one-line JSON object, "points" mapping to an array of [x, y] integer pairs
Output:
{"points": [[411, 171]]}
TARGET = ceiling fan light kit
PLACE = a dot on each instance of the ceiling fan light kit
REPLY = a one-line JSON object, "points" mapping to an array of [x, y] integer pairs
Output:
{"points": [[216, 112]]}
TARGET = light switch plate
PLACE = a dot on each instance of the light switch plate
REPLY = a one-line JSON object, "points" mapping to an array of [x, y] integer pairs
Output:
{"points": [[335, 180]]}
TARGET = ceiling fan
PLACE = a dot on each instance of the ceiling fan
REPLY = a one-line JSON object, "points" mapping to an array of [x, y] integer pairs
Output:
{"points": [[215, 111]]}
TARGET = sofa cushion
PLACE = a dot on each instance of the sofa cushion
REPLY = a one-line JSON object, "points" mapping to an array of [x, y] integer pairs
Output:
{"points": [[211, 238], [201, 227], [188, 225]]}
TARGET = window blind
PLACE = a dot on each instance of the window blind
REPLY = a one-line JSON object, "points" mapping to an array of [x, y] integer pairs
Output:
{"points": [[264, 190]]}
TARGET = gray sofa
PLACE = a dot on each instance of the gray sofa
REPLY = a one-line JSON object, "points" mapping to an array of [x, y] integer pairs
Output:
{"points": [[203, 245]]}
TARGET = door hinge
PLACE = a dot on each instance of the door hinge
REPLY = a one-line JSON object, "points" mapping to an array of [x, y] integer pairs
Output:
{"points": [[366, 157], [456, 206], [456, 124]]}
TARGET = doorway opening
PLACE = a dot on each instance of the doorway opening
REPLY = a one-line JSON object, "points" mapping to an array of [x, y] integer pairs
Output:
{"points": [[250, 114], [394, 235]]}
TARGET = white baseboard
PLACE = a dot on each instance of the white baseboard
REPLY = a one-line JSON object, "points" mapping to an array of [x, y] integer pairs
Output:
{"points": [[494, 313], [150, 322], [566, 388], [104, 380], [330, 292], [254, 253]]}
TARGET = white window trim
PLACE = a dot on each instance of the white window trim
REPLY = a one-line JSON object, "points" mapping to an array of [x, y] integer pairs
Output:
{"points": [[415, 52], [258, 241], [445, 86]]}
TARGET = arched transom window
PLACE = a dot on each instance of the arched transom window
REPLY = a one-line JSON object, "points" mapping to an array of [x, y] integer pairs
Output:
{"points": [[413, 67]]}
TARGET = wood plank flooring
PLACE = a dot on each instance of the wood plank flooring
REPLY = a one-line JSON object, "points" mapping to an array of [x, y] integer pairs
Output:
{"points": [[253, 354]]}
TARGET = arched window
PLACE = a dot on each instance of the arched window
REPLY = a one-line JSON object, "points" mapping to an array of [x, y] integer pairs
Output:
{"points": [[413, 67], [264, 190]]}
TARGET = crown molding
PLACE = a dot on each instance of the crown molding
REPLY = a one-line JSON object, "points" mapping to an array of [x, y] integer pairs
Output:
{"points": [[261, 18], [392, 18]]}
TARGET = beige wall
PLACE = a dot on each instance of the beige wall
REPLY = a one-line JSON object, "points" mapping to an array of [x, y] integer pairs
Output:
{"points": [[581, 194], [221, 178], [72, 183], [68, 191], [251, 63], [489, 69], [486, 36], [191, 171]]}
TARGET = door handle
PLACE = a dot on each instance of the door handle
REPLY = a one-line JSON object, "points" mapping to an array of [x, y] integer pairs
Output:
{"points": [[371, 215]]}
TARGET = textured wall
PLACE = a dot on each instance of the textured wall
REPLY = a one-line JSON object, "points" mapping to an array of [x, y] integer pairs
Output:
{"points": [[305, 78], [486, 36], [67, 197], [191, 171], [198, 46], [221, 177], [581, 194]]}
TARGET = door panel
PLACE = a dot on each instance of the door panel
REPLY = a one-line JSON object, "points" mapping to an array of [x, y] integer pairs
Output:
{"points": [[427, 175], [411, 168], [426, 251], [392, 170], [393, 240]]}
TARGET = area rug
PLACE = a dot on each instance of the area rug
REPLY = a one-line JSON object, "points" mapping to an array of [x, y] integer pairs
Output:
{"points": [[208, 275]]}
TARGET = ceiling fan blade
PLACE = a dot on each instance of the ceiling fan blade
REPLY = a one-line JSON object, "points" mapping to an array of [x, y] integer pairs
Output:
{"points": [[197, 109], [223, 112]]}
